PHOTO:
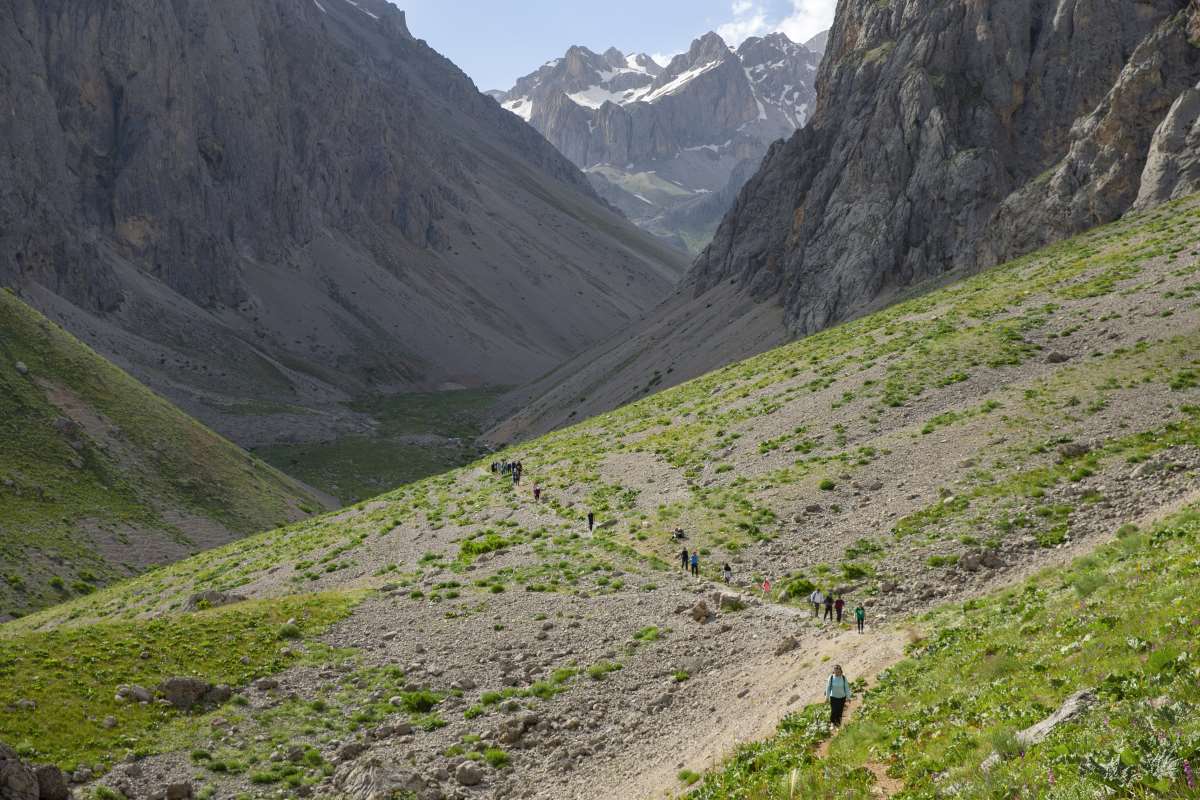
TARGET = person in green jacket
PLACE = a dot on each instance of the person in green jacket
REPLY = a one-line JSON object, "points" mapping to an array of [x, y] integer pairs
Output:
{"points": [[838, 692], [860, 616]]}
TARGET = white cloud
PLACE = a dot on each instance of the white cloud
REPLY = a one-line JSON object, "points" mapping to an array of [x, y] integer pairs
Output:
{"points": [[805, 20], [749, 19], [808, 18]]}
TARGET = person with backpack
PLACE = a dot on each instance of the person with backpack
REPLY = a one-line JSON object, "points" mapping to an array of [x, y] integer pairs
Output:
{"points": [[838, 606], [591, 521], [817, 599], [537, 493], [838, 692], [683, 559], [727, 573], [860, 616], [696, 563], [829, 606]]}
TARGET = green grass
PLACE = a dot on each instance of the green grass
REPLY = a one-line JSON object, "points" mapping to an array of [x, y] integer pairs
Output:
{"points": [[353, 468], [72, 675], [129, 454], [1122, 623]]}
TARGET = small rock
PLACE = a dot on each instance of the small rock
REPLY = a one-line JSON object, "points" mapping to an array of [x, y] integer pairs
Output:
{"points": [[1057, 358], [266, 684], [786, 646], [22, 369]]}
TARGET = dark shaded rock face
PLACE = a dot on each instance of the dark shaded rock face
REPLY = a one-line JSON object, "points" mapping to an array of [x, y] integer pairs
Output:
{"points": [[671, 146], [955, 135], [290, 199]]}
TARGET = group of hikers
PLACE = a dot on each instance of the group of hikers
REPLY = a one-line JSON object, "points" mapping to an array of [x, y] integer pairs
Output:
{"points": [[835, 605], [837, 691], [513, 468]]}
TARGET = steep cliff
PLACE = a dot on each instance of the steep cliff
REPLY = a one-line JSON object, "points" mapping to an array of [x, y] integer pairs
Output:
{"points": [[947, 137], [952, 136], [291, 201]]}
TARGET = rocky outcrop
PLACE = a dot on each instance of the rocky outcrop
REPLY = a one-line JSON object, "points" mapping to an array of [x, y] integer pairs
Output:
{"points": [[952, 135], [1173, 165], [21, 781], [671, 146], [294, 201]]}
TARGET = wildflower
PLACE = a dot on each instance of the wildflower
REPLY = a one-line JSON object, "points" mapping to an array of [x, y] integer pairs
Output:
{"points": [[1187, 773], [1050, 775]]}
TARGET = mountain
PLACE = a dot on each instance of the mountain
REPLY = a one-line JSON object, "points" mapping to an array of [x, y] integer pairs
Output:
{"points": [[100, 478], [670, 146], [289, 203], [938, 462], [944, 139]]}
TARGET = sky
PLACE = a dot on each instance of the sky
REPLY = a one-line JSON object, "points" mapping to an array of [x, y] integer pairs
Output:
{"points": [[498, 41]]}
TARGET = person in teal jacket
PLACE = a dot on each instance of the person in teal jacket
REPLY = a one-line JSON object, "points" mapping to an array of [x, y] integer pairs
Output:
{"points": [[838, 692]]}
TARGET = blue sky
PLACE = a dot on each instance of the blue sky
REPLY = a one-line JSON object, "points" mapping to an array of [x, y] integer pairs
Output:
{"points": [[497, 41]]}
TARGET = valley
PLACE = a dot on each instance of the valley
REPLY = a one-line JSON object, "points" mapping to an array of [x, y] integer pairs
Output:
{"points": [[452, 636], [366, 436]]}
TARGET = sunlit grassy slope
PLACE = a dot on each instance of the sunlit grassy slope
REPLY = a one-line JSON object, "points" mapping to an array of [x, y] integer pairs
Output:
{"points": [[1121, 623], [100, 478], [1042, 404]]}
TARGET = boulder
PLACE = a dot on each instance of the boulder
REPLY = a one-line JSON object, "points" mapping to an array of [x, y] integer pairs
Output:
{"points": [[17, 780], [211, 599], [132, 693], [700, 612], [184, 693], [786, 646], [1074, 706], [179, 791], [1057, 358], [1073, 450], [468, 773], [351, 751], [373, 779], [52, 784]]}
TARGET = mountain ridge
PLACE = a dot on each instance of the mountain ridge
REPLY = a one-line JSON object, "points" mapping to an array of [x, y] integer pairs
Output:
{"points": [[670, 145], [274, 217]]}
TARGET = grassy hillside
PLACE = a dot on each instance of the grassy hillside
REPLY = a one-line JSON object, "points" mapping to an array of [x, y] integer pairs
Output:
{"points": [[915, 460], [1121, 623], [100, 478]]}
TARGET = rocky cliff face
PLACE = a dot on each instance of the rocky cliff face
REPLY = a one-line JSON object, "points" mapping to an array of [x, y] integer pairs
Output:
{"points": [[947, 135], [660, 142], [293, 200], [953, 135]]}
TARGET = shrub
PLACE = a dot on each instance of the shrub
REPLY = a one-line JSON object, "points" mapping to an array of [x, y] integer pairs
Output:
{"points": [[496, 757], [827, 485]]}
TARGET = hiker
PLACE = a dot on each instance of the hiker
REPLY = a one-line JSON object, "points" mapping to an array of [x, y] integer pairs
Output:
{"points": [[683, 559], [678, 535], [860, 616], [817, 599], [516, 477], [727, 571], [537, 493], [591, 521], [829, 606], [696, 563], [838, 692], [838, 606]]}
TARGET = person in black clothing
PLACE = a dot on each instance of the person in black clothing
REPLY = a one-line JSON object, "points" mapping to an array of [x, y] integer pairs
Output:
{"points": [[683, 559], [591, 521], [829, 606]]}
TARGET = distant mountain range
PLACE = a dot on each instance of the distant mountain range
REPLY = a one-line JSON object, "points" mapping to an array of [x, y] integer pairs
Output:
{"points": [[671, 146]]}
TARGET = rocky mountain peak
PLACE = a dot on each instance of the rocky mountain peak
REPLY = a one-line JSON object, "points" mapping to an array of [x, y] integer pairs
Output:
{"points": [[670, 146]]}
